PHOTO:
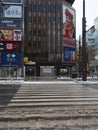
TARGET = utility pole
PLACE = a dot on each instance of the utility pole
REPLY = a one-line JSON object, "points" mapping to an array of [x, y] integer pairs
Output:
{"points": [[84, 58], [79, 63]]}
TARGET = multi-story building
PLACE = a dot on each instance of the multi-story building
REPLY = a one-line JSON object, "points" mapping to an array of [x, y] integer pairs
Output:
{"points": [[90, 41], [92, 47], [49, 43], [94, 63], [96, 37]]}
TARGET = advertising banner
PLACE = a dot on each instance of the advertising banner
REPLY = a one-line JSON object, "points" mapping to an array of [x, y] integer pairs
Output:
{"points": [[10, 35], [6, 34], [69, 26], [10, 58], [69, 54]]}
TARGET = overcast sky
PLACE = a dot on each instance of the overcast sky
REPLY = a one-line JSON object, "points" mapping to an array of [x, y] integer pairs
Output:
{"points": [[91, 12]]}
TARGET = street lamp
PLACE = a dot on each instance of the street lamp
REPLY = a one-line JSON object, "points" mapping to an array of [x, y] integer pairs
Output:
{"points": [[84, 55], [79, 56]]}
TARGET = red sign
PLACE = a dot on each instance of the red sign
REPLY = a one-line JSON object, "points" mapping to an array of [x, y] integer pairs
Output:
{"points": [[10, 35], [9, 46]]}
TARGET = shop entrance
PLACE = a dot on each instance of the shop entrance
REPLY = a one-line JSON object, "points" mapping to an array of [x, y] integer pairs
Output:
{"points": [[10, 72], [30, 70]]}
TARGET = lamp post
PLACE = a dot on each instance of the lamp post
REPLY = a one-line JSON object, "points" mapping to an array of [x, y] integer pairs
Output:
{"points": [[84, 58], [79, 56]]}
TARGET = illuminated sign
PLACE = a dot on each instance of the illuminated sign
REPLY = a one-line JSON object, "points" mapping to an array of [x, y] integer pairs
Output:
{"points": [[10, 58], [10, 35], [69, 54], [10, 46], [13, 11]]}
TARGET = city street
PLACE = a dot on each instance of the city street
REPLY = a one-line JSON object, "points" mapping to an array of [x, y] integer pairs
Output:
{"points": [[49, 105]]}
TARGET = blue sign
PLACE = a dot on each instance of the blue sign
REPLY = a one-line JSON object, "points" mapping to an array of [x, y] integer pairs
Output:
{"points": [[10, 59], [69, 54], [10, 23]]}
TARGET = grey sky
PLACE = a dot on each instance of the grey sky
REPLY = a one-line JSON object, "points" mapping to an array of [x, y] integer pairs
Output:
{"points": [[91, 12]]}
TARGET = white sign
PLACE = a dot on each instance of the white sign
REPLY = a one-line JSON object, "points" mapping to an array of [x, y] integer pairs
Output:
{"points": [[47, 69], [13, 11], [17, 35]]}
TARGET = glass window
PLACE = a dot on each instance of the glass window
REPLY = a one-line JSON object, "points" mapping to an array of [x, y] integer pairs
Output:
{"points": [[34, 44], [49, 8], [58, 8], [53, 8], [34, 32], [39, 8], [39, 32], [35, 20], [45, 8], [49, 20], [34, 8], [30, 8], [39, 44]]}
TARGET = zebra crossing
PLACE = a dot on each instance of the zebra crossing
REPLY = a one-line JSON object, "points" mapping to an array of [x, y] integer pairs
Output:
{"points": [[54, 95], [55, 106]]}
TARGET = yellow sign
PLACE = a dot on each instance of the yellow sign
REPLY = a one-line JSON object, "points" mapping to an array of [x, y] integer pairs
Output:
{"points": [[25, 59]]}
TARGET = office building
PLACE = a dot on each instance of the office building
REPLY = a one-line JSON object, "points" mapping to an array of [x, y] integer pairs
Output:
{"points": [[49, 50]]}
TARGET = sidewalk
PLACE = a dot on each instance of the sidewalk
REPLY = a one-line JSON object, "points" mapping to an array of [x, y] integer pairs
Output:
{"points": [[60, 80]]}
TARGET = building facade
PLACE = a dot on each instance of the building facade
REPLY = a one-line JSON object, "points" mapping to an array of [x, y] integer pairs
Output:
{"points": [[49, 42], [96, 37], [92, 47], [90, 41], [11, 37]]}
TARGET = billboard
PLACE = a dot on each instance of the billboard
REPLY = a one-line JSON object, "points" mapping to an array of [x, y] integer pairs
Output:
{"points": [[10, 58], [10, 35], [69, 54], [69, 25]]}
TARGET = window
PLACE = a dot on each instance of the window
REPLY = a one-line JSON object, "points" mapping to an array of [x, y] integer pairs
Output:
{"points": [[34, 32], [49, 8], [30, 8], [45, 8], [39, 32], [39, 8], [35, 20], [34, 8], [53, 8]]}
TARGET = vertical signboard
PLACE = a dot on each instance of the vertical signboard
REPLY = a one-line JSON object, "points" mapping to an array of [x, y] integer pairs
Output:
{"points": [[10, 35], [69, 28], [69, 54]]}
